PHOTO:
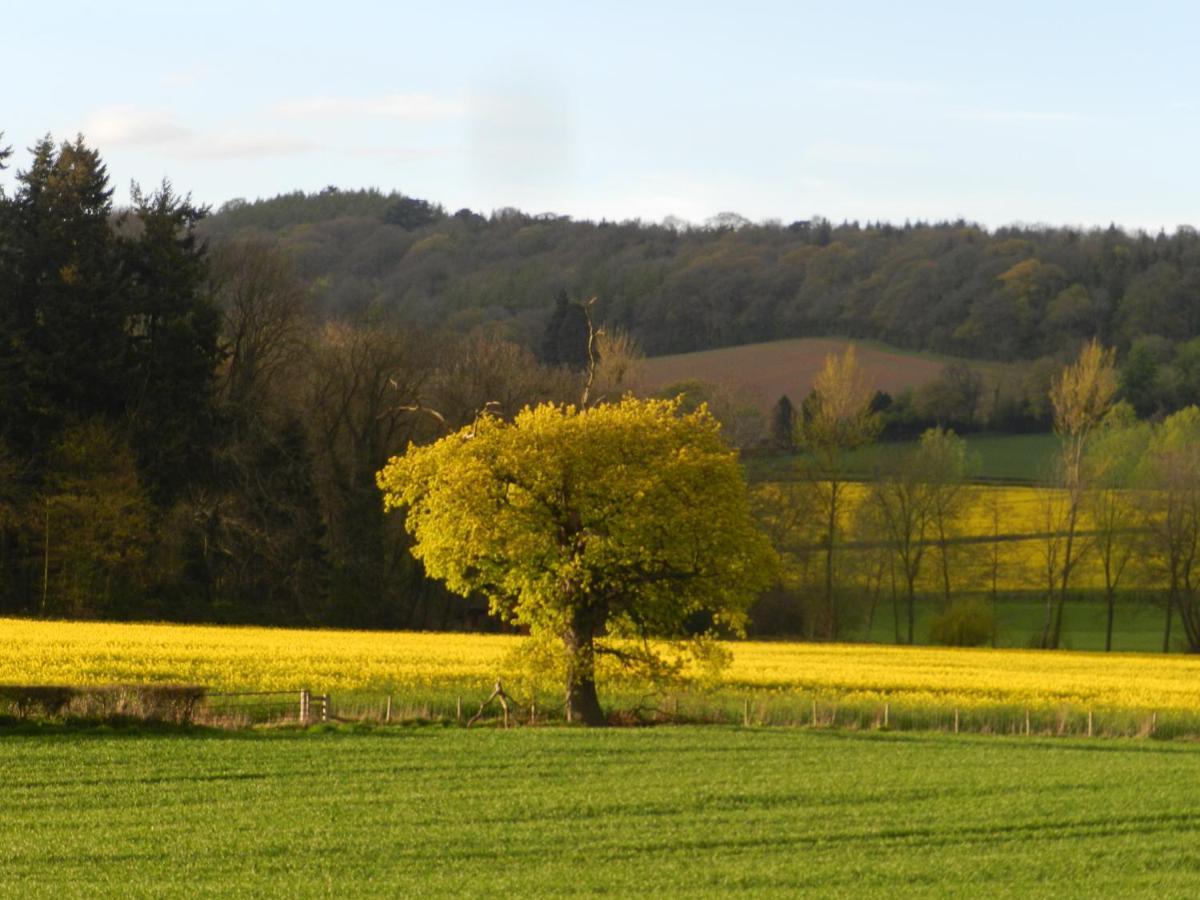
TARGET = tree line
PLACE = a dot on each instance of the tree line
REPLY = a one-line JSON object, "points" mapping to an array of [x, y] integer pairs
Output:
{"points": [[1122, 497], [1028, 293], [183, 434]]}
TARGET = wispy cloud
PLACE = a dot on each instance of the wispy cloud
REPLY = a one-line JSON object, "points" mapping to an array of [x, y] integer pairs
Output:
{"points": [[414, 107], [128, 125]]}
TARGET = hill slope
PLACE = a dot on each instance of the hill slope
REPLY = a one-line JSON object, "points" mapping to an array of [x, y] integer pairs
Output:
{"points": [[762, 373]]}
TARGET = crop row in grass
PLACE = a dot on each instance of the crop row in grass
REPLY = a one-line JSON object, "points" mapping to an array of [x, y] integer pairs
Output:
{"points": [[650, 812]]}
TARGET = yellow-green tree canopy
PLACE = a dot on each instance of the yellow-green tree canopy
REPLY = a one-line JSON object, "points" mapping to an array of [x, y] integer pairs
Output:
{"points": [[620, 520]]}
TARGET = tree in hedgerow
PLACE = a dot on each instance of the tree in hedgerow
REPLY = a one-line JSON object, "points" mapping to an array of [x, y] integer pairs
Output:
{"points": [[836, 417], [1080, 397], [1112, 462], [620, 521]]}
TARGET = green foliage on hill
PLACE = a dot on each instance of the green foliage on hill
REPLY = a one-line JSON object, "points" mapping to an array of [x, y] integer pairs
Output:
{"points": [[950, 287]]}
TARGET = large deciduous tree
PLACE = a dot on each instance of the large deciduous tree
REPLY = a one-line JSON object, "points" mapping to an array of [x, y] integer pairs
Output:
{"points": [[618, 521]]}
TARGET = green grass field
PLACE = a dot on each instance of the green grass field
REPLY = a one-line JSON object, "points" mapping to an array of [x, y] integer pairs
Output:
{"points": [[1017, 457], [1137, 624], [651, 812]]}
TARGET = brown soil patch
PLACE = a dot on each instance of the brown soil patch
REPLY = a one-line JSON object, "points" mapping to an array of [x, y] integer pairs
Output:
{"points": [[762, 373]]}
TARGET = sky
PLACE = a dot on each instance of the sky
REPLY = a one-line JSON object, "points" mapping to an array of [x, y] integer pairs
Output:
{"points": [[1078, 114]]}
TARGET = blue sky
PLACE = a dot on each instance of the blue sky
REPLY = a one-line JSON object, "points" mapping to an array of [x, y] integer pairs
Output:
{"points": [[1069, 113]]}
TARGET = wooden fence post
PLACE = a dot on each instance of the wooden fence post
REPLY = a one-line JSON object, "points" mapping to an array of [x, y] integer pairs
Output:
{"points": [[814, 712], [887, 714], [1027, 731], [746, 713], [458, 709], [387, 713], [1089, 723], [956, 720], [304, 706]]}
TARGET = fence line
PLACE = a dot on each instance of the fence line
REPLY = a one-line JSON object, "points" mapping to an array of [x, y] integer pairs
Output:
{"points": [[748, 709]]}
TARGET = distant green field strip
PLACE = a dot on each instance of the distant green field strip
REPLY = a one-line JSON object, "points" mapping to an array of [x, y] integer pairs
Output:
{"points": [[1019, 458], [652, 812]]}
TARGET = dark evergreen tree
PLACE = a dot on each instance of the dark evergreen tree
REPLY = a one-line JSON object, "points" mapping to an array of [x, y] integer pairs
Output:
{"points": [[63, 352], [173, 344], [783, 425], [565, 342], [411, 213]]}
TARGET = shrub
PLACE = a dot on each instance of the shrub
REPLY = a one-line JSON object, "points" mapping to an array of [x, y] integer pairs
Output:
{"points": [[149, 703], [964, 623]]}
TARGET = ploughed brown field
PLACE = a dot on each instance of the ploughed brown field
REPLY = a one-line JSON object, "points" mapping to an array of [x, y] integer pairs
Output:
{"points": [[761, 373]]}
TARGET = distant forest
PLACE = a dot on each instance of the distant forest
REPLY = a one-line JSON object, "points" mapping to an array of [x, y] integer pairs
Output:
{"points": [[948, 287]]}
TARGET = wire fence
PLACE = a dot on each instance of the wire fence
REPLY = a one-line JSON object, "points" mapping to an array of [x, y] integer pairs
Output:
{"points": [[244, 708], [194, 705]]}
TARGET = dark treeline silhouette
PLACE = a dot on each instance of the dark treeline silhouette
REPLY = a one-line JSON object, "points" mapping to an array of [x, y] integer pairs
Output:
{"points": [[183, 437]]}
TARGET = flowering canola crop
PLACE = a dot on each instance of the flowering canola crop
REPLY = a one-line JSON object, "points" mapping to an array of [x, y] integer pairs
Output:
{"points": [[245, 659]]}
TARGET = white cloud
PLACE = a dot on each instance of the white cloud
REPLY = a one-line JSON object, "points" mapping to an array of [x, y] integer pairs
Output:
{"points": [[128, 125], [414, 107]]}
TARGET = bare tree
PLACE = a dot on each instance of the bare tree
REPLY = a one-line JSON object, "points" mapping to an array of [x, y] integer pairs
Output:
{"points": [[1111, 502], [1173, 518], [485, 370], [900, 497], [836, 418], [618, 364], [1080, 396], [264, 316], [363, 392], [943, 461]]}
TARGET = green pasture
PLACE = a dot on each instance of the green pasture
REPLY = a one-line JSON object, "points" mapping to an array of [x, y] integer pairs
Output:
{"points": [[999, 457], [1138, 622], [651, 812]]}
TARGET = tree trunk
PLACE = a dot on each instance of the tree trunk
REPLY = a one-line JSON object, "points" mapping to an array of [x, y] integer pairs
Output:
{"points": [[1108, 628], [912, 603], [1068, 561], [583, 705], [895, 603], [1049, 623], [1167, 630], [831, 535]]}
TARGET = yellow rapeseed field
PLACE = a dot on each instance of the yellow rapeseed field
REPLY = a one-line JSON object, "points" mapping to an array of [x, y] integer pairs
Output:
{"points": [[229, 658], [1021, 516]]}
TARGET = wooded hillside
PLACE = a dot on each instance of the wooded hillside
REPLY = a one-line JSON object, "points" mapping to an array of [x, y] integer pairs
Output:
{"points": [[951, 287]]}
